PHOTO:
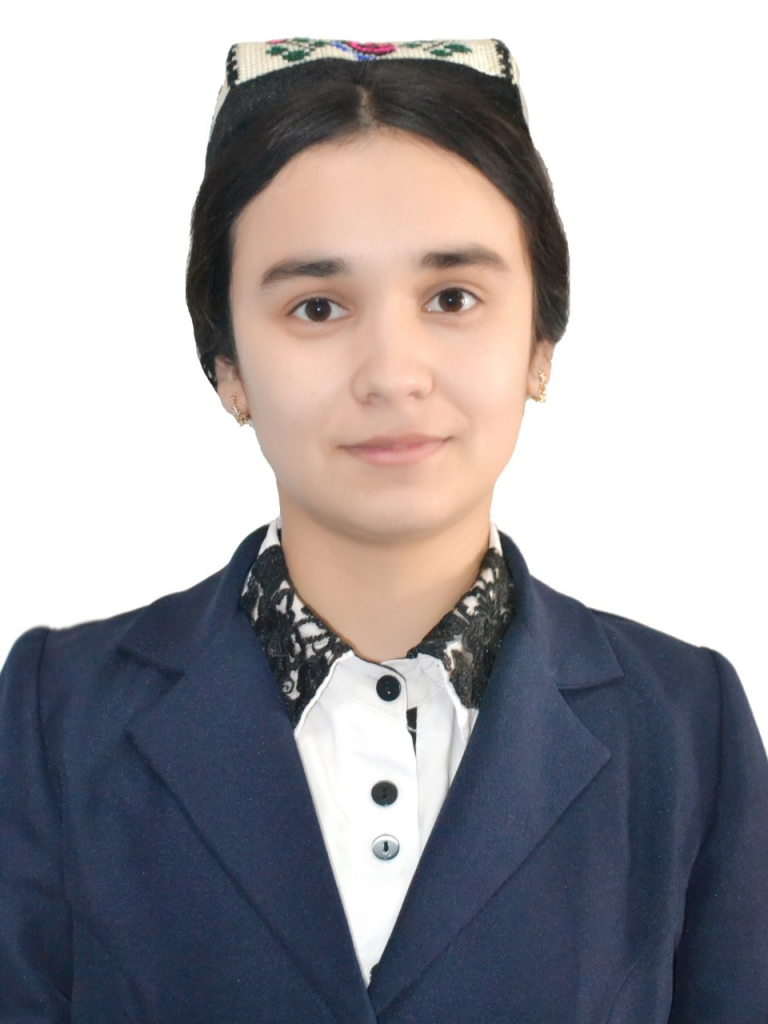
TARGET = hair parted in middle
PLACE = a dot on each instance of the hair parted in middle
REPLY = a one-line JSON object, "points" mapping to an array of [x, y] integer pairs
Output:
{"points": [[425, 101]]}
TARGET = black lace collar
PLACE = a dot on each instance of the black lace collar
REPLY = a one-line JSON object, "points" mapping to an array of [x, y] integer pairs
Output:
{"points": [[301, 647]]}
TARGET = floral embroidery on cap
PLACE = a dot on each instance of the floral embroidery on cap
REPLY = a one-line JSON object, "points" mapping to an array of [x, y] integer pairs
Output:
{"points": [[295, 52], [299, 48], [373, 48], [439, 47]]}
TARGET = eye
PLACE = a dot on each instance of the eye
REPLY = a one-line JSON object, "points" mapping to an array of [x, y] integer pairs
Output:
{"points": [[317, 309], [453, 300]]}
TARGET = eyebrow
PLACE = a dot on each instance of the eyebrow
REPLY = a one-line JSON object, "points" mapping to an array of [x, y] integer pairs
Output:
{"points": [[332, 266]]}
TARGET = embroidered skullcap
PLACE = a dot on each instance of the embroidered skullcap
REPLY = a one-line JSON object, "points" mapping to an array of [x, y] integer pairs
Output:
{"points": [[259, 73]]}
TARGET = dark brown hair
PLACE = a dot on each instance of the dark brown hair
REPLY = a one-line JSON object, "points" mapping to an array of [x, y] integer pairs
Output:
{"points": [[445, 108]]}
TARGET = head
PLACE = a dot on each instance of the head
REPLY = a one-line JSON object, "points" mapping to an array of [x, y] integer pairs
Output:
{"points": [[437, 269]]}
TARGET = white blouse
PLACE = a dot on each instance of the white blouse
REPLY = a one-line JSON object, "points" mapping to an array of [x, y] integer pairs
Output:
{"points": [[380, 742]]}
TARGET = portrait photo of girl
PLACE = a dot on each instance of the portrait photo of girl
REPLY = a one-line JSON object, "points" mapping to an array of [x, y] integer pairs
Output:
{"points": [[370, 767]]}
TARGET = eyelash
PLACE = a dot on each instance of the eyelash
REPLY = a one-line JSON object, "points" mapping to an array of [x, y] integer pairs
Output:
{"points": [[315, 298]]}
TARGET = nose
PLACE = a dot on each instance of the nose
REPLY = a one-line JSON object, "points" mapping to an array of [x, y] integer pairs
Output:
{"points": [[393, 356]]}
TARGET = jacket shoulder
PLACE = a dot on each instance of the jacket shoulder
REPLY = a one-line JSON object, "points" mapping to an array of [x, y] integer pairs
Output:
{"points": [[634, 639], [178, 619], [94, 637], [85, 681], [632, 632], [663, 674]]}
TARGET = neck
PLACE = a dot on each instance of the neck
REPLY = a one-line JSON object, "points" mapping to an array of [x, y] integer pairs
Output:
{"points": [[382, 595]]}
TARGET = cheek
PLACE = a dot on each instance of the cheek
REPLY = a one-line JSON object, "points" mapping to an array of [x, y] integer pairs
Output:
{"points": [[499, 395], [498, 378], [289, 408], [499, 421]]}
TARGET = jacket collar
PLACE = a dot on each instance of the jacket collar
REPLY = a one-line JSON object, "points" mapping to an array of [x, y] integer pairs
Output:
{"points": [[221, 740]]}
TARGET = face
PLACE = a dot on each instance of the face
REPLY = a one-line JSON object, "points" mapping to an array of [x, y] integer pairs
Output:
{"points": [[380, 287]]}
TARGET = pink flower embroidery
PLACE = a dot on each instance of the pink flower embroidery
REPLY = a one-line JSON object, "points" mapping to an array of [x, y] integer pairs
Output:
{"points": [[372, 48]]}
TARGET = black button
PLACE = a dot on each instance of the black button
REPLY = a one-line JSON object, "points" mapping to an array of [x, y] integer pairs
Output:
{"points": [[388, 687], [384, 793]]}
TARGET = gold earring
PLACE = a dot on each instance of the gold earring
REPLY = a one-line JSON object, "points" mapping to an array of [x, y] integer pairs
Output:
{"points": [[542, 395], [241, 417]]}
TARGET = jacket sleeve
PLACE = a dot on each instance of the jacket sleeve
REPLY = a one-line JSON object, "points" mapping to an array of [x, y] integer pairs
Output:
{"points": [[721, 960], [35, 932]]}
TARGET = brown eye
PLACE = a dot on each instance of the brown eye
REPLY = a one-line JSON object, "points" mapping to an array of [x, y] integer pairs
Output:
{"points": [[453, 300], [318, 309]]}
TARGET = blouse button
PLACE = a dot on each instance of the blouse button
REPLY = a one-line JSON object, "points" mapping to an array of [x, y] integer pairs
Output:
{"points": [[384, 793], [388, 687], [386, 847]]}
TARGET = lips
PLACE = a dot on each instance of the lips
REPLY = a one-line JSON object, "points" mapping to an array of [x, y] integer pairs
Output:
{"points": [[396, 441], [397, 451]]}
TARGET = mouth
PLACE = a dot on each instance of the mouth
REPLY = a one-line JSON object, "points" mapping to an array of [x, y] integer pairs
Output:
{"points": [[397, 453]]}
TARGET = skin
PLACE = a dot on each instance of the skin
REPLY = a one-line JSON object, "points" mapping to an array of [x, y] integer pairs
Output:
{"points": [[381, 553]]}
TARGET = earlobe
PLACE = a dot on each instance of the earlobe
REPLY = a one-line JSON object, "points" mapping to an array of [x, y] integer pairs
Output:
{"points": [[241, 417], [540, 370]]}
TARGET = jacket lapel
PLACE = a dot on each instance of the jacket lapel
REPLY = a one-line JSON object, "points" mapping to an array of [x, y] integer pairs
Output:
{"points": [[528, 758], [221, 741]]}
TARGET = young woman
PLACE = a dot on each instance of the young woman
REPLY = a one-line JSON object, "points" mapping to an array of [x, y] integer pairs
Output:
{"points": [[373, 769]]}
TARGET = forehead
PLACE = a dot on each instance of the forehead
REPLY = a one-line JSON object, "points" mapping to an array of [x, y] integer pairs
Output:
{"points": [[375, 196]]}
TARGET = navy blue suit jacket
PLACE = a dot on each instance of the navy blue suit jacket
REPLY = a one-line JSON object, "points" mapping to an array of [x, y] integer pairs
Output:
{"points": [[601, 856]]}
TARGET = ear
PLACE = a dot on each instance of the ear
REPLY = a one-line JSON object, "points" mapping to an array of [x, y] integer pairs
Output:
{"points": [[541, 362], [228, 383]]}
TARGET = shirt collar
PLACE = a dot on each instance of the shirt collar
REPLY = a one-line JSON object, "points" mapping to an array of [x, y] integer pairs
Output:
{"points": [[301, 647]]}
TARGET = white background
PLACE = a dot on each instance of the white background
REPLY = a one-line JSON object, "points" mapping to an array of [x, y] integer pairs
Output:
{"points": [[638, 488]]}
